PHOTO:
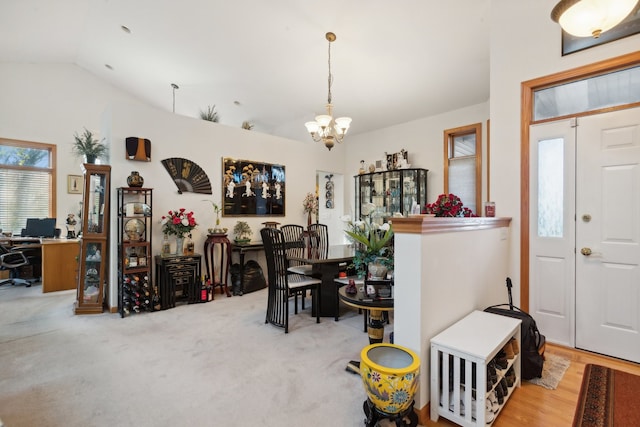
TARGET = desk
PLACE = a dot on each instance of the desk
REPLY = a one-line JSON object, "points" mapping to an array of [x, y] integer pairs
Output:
{"points": [[59, 262], [327, 269]]}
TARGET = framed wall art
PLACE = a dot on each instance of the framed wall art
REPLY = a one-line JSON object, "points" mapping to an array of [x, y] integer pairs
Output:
{"points": [[74, 184], [628, 27], [253, 188]]}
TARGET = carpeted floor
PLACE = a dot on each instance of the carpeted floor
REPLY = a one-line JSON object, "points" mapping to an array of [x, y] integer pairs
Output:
{"points": [[210, 364], [552, 371], [608, 397]]}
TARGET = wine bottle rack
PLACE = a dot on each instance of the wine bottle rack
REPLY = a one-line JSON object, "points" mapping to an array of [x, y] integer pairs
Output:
{"points": [[136, 293]]}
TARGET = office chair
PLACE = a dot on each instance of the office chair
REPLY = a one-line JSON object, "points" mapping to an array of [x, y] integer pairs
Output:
{"points": [[13, 260]]}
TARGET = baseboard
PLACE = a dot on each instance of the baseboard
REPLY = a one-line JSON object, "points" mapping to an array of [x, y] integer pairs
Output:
{"points": [[424, 414]]}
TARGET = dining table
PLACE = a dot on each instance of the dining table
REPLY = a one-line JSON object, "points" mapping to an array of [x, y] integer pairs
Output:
{"points": [[327, 269]]}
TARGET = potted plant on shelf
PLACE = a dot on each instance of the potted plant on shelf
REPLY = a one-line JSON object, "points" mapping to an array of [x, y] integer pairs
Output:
{"points": [[86, 146], [242, 232]]}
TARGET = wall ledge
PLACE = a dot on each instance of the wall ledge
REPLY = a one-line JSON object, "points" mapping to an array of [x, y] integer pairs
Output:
{"points": [[422, 224]]}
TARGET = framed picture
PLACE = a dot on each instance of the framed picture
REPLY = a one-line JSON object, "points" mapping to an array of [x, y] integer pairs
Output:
{"points": [[628, 27], [74, 184], [253, 188]]}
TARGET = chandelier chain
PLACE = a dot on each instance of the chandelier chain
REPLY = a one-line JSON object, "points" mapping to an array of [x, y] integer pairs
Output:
{"points": [[330, 78]]}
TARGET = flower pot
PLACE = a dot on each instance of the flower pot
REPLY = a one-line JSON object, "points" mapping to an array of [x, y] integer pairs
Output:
{"points": [[389, 374], [90, 158], [377, 270]]}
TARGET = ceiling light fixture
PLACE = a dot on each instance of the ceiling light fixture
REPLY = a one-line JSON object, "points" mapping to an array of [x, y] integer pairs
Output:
{"points": [[585, 18], [325, 128], [174, 86]]}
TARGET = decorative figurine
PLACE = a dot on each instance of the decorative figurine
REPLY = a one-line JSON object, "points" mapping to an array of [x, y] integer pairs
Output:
{"points": [[71, 226]]}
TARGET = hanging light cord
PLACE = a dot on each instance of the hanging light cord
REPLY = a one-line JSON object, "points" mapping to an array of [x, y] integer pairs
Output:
{"points": [[330, 78]]}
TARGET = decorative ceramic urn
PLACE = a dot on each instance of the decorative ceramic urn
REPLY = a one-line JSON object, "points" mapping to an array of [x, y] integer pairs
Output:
{"points": [[390, 376], [135, 180]]}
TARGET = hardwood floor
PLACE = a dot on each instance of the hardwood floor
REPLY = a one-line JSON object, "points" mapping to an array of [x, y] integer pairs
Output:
{"points": [[535, 406]]}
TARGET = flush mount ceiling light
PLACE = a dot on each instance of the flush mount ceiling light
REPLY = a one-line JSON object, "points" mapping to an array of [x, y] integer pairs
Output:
{"points": [[325, 128], [585, 18]]}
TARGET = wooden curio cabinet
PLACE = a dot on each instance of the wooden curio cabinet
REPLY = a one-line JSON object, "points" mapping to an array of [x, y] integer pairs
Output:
{"points": [[94, 242]]}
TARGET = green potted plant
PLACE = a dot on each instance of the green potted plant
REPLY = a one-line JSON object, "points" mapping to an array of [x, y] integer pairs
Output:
{"points": [[88, 147], [210, 114], [242, 232]]}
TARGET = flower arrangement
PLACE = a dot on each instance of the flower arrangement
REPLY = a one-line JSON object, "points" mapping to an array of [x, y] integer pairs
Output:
{"points": [[449, 205], [310, 204], [372, 242], [179, 223]]}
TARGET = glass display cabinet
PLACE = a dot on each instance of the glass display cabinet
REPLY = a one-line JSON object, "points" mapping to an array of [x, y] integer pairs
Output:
{"points": [[380, 195], [94, 243]]}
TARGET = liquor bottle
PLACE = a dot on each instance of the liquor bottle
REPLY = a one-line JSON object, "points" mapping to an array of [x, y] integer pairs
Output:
{"points": [[156, 299]]}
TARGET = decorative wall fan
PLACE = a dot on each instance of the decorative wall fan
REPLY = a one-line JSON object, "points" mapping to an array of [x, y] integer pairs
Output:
{"points": [[187, 175]]}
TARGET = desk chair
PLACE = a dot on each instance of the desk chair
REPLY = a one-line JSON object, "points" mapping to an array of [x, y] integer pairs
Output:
{"points": [[13, 260]]}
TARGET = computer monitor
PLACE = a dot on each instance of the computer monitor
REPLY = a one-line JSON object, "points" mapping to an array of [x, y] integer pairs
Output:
{"points": [[40, 227]]}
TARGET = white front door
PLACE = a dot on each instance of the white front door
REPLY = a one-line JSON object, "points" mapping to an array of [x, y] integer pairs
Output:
{"points": [[552, 230], [608, 234], [585, 232]]}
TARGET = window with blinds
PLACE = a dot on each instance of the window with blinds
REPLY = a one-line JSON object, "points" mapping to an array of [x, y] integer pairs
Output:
{"points": [[27, 187], [462, 165]]}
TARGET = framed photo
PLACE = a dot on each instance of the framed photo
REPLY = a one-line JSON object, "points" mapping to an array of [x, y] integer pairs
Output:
{"points": [[253, 188], [628, 27], [74, 184], [142, 261]]}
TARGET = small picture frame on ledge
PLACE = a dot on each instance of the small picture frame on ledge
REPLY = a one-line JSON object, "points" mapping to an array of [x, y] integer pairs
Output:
{"points": [[74, 184]]}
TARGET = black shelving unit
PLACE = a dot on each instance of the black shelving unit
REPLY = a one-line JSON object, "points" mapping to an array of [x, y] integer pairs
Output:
{"points": [[136, 293]]}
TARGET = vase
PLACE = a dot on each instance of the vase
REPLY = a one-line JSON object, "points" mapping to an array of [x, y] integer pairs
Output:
{"points": [[135, 180], [308, 219], [179, 245], [377, 269], [389, 374]]}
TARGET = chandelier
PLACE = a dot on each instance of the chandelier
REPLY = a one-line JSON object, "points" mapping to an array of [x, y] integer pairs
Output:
{"points": [[325, 128], [585, 18]]}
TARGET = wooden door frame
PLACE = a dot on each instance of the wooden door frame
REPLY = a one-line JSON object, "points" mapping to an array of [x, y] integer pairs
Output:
{"points": [[526, 119]]}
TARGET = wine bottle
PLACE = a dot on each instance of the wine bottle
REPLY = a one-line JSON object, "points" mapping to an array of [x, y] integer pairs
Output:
{"points": [[156, 299]]}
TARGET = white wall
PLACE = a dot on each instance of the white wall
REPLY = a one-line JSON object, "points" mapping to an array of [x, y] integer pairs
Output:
{"points": [[206, 143], [525, 44], [423, 139], [48, 103]]}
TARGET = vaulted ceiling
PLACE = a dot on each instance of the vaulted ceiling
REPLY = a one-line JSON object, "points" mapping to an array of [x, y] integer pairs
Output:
{"points": [[266, 61]]}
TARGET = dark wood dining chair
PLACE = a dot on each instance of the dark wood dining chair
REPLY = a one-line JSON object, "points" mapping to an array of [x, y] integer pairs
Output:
{"points": [[282, 283], [319, 240], [294, 237]]}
